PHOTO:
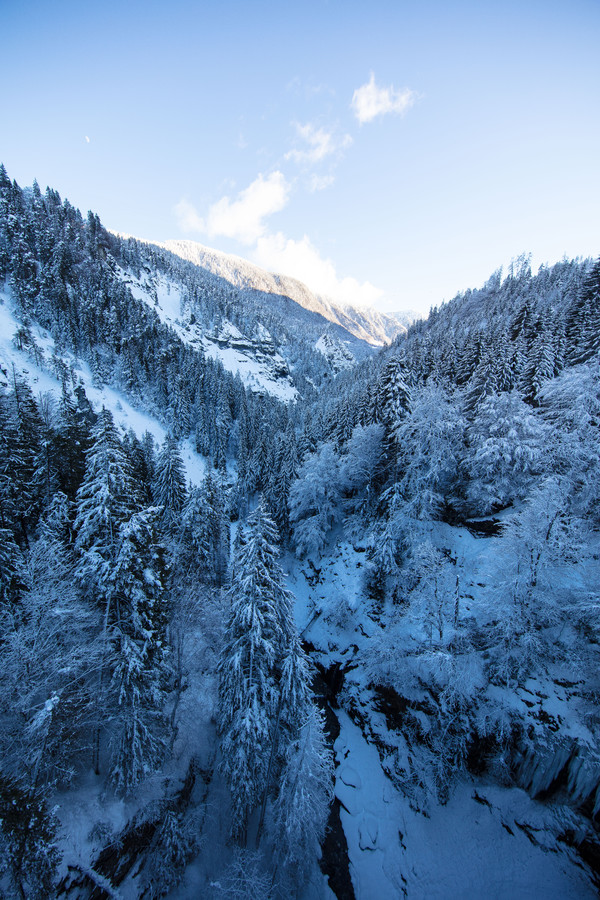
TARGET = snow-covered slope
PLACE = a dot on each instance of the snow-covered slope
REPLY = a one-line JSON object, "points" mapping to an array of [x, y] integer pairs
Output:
{"points": [[339, 356], [488, 836], [255, 359], [43, 376], [365, 323]]}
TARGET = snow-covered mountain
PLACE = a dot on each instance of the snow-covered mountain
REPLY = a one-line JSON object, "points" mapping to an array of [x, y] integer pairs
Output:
{"points": [[433, 511], [274, 347], [254, 358], [363, 322], [40, 363]]}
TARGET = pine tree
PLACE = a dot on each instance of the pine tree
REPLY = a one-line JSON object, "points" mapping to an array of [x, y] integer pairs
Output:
{"points": [[430, 440], [247, 691], [262, 672], [482, 382], [21, 455], [169, 487], [315, 500], [11, 568], [394, 394], [215, 498], [73, 440], [539, 367], [360, 465], [582, 321], [49, 657], [139, 679], [11, 463], [193, 550], [222, 427], [105, 501], [284, 471], [301, 809], [504, 451]]}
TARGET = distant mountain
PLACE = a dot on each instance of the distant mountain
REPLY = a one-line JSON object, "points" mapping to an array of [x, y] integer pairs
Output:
{"points": [[244, 321], [365, 323], [407, 317]]}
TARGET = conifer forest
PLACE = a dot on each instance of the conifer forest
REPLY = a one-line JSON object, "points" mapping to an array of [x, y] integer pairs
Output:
{"points": [[324, 626]]}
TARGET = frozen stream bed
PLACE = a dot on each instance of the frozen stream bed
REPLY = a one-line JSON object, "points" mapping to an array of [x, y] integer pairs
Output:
{"points": [[486, 841]]}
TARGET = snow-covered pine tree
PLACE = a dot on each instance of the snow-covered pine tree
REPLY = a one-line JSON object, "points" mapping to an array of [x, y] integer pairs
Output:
{"points": [[301, 808], [247, 690], [482, 383], [11, 568], [140, 675], [429, 441], [50, 656], [191, 554], [105, 501], [315, 500], [284, 470], [393, 394], [216, 502], [169, 487], [73, 440], [582, 321], [20, 454], [539, 367], [503, 452], [263, 672], [359, 467]]}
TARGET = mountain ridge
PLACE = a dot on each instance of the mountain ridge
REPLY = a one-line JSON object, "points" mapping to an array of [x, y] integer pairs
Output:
{"points": [[365, 323]]}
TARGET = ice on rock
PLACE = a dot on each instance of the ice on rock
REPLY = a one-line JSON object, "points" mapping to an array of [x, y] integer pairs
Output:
{"points": [[539, 768], [584, 777]]}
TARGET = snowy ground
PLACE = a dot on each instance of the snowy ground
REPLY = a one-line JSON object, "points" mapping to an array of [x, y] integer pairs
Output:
{"points": [[488, 840]]}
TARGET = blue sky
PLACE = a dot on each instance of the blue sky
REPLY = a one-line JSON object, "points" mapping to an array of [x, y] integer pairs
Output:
{"points": [[385, 152]]}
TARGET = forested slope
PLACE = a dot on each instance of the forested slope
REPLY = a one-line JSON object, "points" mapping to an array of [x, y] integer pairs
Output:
{"points": [[434, 510]]}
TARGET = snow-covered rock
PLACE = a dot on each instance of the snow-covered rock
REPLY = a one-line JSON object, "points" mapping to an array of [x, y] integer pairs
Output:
{"points": [[257, 362]]}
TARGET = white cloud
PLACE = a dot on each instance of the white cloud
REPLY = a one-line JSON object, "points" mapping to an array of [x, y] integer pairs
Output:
{"points": [[319, 182], [242, 218], [302, 260], [187, 217], [370, 101], [320, 144], [87, 140]]}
